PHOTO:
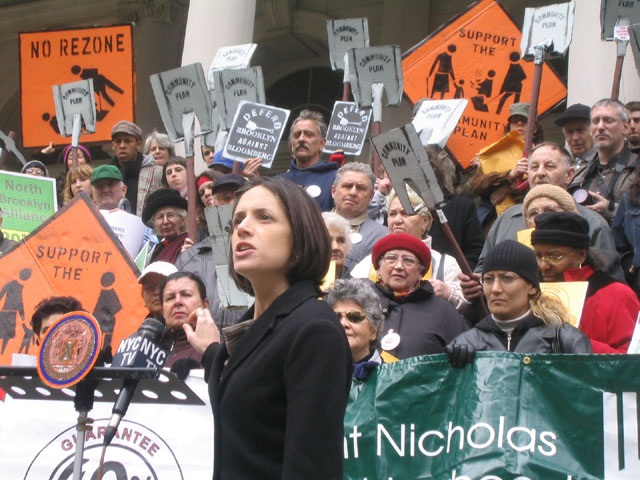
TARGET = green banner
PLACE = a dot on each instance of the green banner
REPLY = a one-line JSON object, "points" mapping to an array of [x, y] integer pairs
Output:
{"points": [[505, 417], [26, 201]]}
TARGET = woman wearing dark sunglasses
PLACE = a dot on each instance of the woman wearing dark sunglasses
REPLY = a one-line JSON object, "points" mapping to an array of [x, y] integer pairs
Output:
{"points": [[359, 311], [417, 322], [522, 319]]}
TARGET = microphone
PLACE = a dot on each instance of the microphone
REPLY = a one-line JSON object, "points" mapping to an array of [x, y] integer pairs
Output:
{"points": [[139, 350], [124, 204]]}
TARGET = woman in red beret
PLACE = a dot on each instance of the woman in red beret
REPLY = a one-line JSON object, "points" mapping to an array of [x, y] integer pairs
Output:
{"points": [[417, 322]]}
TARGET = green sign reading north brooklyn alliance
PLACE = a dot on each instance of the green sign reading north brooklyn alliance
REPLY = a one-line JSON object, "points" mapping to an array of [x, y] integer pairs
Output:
{"points": [[505, 417], [26, 201]]}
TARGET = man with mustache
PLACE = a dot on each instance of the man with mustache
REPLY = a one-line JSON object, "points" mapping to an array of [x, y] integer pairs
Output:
{"points": [[306, 141], [611, 170]]}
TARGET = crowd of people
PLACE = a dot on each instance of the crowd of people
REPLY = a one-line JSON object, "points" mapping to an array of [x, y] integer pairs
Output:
{"points": [[280, 370]]}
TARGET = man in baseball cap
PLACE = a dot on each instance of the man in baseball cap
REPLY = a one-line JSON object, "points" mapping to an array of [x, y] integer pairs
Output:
{"points": [[140, 173], [108, 186], [575, 123], [150, 279]]}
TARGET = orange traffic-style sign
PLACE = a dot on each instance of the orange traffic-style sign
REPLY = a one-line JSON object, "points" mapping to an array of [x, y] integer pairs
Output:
{"points": [[103, 54], [73, 253], [476, 55]]}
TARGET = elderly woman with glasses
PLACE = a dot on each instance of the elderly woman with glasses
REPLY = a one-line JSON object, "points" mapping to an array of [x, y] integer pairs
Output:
{"points": [[165, 212], [522, 319], [610, 311], [359, 311], [417, 321]]}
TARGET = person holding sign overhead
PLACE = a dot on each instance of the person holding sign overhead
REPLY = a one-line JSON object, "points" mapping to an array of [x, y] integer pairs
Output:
{"points": [[279, 383]]}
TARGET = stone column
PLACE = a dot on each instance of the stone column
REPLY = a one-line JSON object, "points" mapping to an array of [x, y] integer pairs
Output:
{"points": [[592, 61], [212, 24]]}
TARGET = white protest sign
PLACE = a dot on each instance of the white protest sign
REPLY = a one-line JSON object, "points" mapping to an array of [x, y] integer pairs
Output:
{"points": [[128, 228], [256, 132], [406, 163], [182, 91], [550, 25], [611, 11], [344, 34], [71, 99], [347, 129], [634, 41], [232, 56], [368, 66], [435, 120], [621, 33], [38, 438], [219, 223], [232, 87]]}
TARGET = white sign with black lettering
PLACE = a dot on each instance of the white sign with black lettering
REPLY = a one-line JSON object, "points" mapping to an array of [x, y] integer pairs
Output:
{"points": [[367, 66], [232, 56], [435, 120], [75, 98], [611, 11], [344, 34], [347, 129], [256, 132], [553, 23], [180, 91]]}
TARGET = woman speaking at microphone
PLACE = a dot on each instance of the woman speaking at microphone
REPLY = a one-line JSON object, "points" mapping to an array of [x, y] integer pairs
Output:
{"points": [[279, 382]]}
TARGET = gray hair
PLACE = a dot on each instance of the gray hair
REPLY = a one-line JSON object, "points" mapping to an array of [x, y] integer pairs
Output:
{"points": [[338, 221], [564, 154], [610, 102], [310, 115], [355, 167], [359, 290], [180, 211], [163, 141]]}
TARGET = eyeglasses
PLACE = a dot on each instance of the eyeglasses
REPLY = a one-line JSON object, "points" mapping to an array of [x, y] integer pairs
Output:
{"points": [[406, 260], [533, 213], [550, 259], [505, 280], [352, 315], [34, 171], [170, 216]]}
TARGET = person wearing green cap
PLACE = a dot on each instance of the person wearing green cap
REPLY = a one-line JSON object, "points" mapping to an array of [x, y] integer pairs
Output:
{"points": [[108, 187]]}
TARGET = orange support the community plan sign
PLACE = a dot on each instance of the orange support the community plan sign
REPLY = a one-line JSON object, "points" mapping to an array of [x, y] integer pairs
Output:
{"points": [[477, 56], [73, 253], [103, 54]]}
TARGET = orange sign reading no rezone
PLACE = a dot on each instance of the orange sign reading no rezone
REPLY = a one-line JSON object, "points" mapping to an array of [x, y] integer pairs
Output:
{"points": [[477, 56], [103, 54], [73, 253]]}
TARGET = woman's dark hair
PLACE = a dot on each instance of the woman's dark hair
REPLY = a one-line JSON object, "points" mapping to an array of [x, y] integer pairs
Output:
{"points": [[206, 174], [52, 305], [202, 289], [172, 161], [310, 243]]}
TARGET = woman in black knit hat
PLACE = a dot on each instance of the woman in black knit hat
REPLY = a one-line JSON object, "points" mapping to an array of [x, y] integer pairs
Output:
{"points": [[522, 319], [610, 311]]}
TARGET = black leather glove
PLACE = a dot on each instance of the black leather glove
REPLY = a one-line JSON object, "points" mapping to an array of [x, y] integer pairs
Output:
{"points": [[460, 355], [183, 366]]}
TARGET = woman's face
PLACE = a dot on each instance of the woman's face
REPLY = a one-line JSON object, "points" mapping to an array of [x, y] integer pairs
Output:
{"points": [[519, 124], [176, 176], [168, 223], [206, 193], [339, 246], [81, 185], [553, 260], [538, 206], [261, 241], [160, 154], [507, 293], [400, 270], [360, 334], [400, 222]]}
